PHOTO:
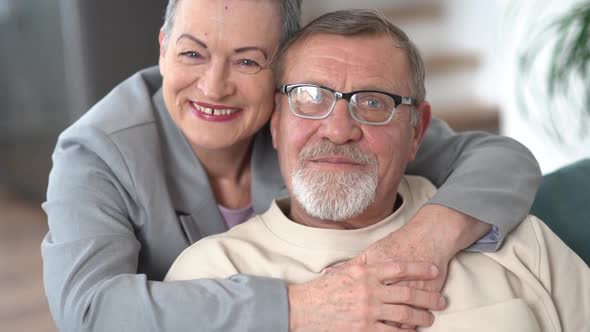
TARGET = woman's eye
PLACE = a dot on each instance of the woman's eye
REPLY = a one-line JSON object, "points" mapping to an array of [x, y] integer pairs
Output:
{"points": [[191, 57], [248, 63], [190, 54], [247, 66]]}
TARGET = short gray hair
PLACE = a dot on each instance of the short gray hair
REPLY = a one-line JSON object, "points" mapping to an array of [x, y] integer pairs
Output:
{"points": [[290, 17], [354, 22]]}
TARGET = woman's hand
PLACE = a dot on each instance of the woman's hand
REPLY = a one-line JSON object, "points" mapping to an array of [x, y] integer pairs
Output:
{"points": [[356, 297], [435, 235], [383, 289]]}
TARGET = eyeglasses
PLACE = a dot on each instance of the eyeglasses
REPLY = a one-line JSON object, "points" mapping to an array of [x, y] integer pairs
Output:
{"points": [[312, 101]]}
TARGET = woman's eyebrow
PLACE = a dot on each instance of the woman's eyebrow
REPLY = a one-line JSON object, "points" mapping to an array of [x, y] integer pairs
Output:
{"points": [[193, 38], [237, 50], [251, 48]]}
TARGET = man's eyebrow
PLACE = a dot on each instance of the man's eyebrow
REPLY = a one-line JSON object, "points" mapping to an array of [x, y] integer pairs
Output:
{"points": [[372, 87], [251, 48], [193, 38], [316, 82]]}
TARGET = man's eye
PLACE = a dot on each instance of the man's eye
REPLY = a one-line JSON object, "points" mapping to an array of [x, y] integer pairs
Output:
{"points": [[372, 103]]}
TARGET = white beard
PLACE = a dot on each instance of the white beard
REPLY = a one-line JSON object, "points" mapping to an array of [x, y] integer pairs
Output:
{"points": [[334, 196]]}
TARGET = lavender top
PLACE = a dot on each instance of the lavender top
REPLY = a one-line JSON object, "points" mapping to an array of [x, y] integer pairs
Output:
{"points": [[234, 217]]}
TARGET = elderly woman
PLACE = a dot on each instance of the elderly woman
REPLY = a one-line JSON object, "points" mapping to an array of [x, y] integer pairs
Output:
{"points": [[165, 160]]}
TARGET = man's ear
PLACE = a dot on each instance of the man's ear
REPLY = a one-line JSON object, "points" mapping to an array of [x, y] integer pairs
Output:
{"points": [[162, 52], [424, 116], [274, 121]]}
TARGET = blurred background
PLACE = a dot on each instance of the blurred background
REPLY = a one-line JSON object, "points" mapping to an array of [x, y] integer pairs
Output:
{"points": [[490, 66]]}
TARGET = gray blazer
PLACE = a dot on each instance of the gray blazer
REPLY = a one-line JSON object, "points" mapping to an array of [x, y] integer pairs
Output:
{"points": [[126, 195]]}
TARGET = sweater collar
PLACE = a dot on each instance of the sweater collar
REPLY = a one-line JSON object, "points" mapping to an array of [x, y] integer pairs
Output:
{"points": [[351, 241]]}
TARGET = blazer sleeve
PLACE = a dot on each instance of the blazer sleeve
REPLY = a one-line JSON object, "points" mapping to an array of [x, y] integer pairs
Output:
{"points": [[90, 262], [490, 177]]}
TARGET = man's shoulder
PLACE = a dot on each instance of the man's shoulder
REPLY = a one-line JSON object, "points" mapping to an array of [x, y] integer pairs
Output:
{"points": [[530, 234], [245, 233], [128, 105], [418, 188], [219, 255], [527, 245]]}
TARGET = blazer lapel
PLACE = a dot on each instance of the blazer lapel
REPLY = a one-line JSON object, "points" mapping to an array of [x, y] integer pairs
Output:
{"points": [[188, 184], [195, 229]]}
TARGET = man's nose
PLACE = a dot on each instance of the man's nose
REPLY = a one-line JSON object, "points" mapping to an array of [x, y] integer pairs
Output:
{"points": [[339, 127], [214, 81]]}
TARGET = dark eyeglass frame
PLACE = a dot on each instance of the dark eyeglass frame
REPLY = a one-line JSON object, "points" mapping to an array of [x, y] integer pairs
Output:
{"points": [[397, 99]]}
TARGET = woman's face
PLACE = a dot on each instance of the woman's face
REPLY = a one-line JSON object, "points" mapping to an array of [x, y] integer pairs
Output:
{"points": [[211, 83]]}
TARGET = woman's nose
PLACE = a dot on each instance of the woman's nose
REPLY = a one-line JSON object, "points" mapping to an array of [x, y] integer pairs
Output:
{"points": [[214, 81]]}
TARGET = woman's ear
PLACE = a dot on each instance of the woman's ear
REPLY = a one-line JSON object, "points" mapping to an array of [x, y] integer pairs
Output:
{"points": [[162, 43]]}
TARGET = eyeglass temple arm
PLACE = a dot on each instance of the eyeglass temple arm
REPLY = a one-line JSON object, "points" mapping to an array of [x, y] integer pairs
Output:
{"points": [[406, 100]]}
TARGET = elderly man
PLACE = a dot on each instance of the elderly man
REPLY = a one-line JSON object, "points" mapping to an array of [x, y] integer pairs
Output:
{"points": [[345, 129]]}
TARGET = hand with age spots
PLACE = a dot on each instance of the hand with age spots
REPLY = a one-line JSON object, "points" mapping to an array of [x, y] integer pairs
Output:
{"points": [[435, 235], [355, 298]]}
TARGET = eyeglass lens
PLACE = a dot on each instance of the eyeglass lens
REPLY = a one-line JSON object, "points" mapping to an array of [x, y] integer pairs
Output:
{"points": [[317, 102]]}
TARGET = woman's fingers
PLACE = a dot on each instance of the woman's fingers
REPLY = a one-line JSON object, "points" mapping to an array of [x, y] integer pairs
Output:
{"points": [[392, 272], [392, 327], [396, 294], [405, 315]]}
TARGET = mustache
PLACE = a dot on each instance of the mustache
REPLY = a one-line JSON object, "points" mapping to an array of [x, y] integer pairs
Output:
{"points": [[326, 148]]}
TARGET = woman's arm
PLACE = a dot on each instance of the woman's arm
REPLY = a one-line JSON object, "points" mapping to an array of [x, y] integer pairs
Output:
{"points": [[486, 186], [91, 256], [488, 177]]}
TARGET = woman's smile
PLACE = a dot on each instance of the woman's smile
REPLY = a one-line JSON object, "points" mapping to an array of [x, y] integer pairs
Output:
{"points": [[215, 74], [211, 112]]}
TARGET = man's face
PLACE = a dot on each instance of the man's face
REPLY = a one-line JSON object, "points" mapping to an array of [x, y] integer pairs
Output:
{"points": [[337, 161]]}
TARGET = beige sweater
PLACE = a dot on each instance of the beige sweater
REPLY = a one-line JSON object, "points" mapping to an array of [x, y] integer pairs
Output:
{"points": [[534, 283]]}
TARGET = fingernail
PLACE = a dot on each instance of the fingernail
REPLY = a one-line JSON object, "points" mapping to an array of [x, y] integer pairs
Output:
{"points": [[442, 302], [433, 270]]}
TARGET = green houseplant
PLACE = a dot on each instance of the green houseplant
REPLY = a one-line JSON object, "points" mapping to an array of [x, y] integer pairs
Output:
{"points": [[554, 81]]}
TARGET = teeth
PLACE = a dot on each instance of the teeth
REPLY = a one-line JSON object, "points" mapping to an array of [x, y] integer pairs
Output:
{"points": [[217, 112]]}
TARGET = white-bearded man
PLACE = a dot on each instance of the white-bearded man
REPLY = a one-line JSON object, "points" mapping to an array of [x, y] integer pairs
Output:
{"points": [[350, 116]]}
